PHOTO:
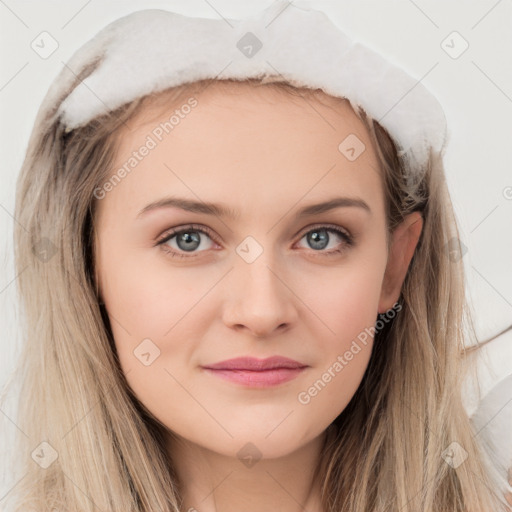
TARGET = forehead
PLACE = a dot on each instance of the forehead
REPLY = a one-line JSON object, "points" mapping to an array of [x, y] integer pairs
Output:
{"points": [[264, 103], [243, 142]]}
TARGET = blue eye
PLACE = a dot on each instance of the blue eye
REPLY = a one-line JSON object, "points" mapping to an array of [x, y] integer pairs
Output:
{"points": [[193, 238], [187, 239], [319, 239]]}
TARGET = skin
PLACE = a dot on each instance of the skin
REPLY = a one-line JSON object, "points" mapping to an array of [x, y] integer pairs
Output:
{"points": [[265, 155]]}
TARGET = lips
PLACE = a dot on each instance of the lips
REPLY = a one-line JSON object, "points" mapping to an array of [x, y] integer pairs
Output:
{"points": [[256, 373], [254, 364]]}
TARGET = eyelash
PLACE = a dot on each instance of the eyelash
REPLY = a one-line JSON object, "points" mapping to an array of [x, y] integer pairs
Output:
{"points": [[348, 239]]}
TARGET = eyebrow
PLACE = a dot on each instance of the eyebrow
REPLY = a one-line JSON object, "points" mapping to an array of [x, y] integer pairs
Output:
{"points": [[220, 210]]}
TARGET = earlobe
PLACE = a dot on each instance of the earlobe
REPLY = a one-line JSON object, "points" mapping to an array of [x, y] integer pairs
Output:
{"points": [[403, 244]]}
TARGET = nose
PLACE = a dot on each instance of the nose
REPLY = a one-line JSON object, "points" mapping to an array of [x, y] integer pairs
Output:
{"points": [[259, 301]]}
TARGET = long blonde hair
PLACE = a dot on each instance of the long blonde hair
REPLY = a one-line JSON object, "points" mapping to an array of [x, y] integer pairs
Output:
{"points": [[382, 453]]}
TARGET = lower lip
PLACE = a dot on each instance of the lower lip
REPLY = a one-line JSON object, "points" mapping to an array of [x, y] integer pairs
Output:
{"points": [[258, 379]]}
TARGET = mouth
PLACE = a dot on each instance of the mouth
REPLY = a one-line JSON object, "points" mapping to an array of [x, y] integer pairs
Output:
{"points": [[252, 372]]}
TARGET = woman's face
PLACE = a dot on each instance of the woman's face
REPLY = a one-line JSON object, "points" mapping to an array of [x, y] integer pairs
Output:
{"points": [[262, 273]]}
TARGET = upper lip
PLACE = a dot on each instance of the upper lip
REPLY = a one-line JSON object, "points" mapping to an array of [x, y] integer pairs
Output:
{"points": [[254, 364]]}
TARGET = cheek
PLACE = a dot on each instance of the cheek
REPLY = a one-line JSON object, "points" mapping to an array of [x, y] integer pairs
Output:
{"points": [[149, 298], [347, 304], [155, 315], [147, 302], [345, 299]]}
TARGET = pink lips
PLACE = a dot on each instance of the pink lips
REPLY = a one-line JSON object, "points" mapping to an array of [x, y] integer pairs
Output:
{"points": [[253, 372]]}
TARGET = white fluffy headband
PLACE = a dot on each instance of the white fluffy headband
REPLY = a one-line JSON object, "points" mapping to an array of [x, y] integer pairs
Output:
{"points": [[151, 50]]}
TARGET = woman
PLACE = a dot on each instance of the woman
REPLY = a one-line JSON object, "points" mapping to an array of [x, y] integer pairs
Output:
{"points": [[239, 294]]}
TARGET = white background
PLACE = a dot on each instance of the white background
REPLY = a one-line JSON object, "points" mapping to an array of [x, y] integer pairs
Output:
{"points": [[475, 90]]}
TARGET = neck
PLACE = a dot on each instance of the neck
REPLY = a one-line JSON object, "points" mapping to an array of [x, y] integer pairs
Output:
{"points": [[212, 482]]}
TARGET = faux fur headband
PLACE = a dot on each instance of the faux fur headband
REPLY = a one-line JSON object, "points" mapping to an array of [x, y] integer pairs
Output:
{"points": [[151, 50]]}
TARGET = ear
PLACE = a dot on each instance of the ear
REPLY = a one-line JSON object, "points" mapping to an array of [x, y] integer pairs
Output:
{"points": [[403, 243]]}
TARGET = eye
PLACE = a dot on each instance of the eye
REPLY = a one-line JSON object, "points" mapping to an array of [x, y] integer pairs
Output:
{"points": [[195, 238], [188, 239], [327, 237]]}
